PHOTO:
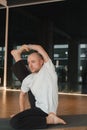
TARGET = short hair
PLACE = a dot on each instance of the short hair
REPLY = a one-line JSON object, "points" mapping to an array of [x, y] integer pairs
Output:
{"points": [[34, 51]]}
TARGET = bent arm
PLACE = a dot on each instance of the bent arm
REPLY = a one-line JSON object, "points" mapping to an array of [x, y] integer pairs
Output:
{"points": [[40, 50], [16, 53]]}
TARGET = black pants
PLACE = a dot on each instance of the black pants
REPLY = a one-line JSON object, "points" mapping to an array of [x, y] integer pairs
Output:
{"points": [[33, 118]]}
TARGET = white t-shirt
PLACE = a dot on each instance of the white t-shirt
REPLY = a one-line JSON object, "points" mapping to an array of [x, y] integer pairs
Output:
{"points": [[44, 87]]}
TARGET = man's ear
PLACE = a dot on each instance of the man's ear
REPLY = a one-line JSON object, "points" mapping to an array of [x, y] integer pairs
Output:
{"points": [[42, 62]]}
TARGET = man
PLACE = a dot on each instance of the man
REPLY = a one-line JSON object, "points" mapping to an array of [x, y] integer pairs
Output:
{"points": [[42, 82]]}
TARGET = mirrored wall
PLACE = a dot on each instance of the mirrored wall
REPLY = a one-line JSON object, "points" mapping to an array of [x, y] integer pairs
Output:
{"points": [[69, 56]]}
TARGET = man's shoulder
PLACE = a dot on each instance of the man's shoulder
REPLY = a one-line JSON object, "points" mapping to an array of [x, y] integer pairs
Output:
{"points": [[29, 77], [49, 62]]}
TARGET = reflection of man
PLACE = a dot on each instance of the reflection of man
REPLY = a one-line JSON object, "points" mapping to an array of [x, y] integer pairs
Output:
{"points": [[42, 82]]}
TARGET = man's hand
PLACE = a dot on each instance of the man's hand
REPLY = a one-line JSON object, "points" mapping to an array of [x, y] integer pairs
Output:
{"points": [[23, 48], [17, 53], [12, 115]]}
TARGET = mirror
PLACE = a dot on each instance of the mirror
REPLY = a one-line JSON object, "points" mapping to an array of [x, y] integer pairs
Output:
{"points": [[60, 24]]}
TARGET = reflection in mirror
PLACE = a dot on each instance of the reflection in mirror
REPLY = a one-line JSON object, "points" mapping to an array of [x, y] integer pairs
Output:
{"points": [[48, 24]]}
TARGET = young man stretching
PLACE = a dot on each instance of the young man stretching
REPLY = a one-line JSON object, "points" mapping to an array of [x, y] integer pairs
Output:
{"points": [[42, 82]]}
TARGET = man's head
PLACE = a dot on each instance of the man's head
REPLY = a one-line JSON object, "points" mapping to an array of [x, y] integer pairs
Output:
{"points": [[35, 62]]}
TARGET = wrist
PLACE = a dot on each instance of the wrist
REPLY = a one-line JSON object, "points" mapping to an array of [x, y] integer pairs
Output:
{"points": [[30, 46]]}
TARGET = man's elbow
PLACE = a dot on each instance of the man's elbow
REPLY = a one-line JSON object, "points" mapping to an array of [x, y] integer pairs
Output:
{"points": [[22, 94]]}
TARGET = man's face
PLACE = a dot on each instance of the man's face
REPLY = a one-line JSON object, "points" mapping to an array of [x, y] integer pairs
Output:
{"points": [[35, 62]]}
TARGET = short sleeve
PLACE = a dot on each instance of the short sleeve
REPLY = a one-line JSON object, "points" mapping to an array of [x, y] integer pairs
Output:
{"points": [[27, 83], [50, 66]]}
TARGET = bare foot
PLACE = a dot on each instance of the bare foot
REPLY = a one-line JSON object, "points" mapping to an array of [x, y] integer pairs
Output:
{"points": [[53, 119]]}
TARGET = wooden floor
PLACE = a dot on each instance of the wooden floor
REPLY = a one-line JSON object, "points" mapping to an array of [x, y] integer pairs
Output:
{"points": [[68, 104]]}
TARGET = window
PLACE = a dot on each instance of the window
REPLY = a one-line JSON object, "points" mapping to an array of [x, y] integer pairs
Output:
{"points": [[61, 64]]}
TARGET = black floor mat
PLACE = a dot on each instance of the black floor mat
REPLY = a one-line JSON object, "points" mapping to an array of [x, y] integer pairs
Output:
{"points": [[72, 121]]}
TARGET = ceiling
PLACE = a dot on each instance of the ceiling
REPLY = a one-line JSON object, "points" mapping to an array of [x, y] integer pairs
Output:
{"points": [[19, 3], [69, 18]]}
